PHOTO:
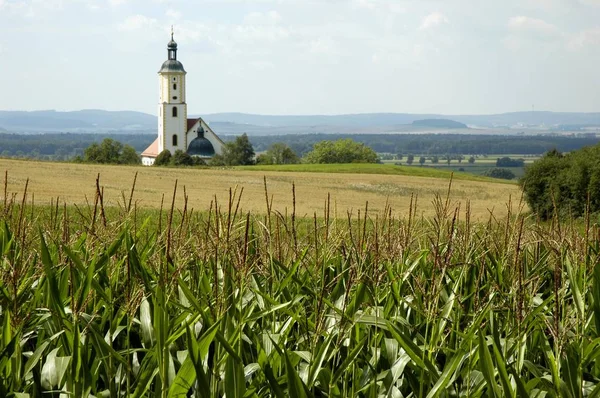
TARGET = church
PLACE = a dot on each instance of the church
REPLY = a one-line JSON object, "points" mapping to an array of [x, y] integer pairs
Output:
{"points": [[175, 130]]}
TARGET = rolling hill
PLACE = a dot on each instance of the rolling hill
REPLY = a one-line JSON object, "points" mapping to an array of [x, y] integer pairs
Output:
{"points": [[93, 120]]}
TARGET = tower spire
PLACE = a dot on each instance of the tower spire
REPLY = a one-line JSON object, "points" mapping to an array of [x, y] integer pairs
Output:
{"points": [[172, 47]]}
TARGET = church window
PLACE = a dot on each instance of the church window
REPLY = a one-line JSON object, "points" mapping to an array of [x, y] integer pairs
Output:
{"points": [[174, 139], [174, 97], [174, 111], [174, 86]]}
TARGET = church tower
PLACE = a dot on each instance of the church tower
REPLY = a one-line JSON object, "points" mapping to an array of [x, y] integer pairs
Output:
{"points": [[175, 131], [172, 108]]}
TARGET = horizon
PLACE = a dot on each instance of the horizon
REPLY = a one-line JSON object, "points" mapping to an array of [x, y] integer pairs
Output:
{"points": [[317, 57], [300, 115]]}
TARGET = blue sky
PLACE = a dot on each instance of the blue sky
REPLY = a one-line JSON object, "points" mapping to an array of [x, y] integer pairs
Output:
{"points": [[304, 56]]}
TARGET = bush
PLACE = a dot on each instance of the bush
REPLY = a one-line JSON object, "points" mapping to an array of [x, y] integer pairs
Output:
{"points": [[341, 151], [508, 162], [181, 158], [500, 173], [217, 161], [163, 158]]}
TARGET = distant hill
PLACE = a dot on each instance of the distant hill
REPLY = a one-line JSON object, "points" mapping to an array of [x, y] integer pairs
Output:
{"points": [[84, 120], [439, 123], [537, 118], [92, 120]]}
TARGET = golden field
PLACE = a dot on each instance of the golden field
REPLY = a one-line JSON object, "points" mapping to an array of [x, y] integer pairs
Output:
{"points": [[75, 184]]}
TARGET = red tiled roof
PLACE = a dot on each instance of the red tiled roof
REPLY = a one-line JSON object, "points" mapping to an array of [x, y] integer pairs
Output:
{"points": [[152, 150], [190, 123]]}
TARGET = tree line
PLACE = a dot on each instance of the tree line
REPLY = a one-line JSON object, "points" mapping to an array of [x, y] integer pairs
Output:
{"points": [[438, 144], [64, 146], [240, 152]]}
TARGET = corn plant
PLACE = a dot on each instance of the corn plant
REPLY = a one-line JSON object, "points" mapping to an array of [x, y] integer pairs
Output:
{"points": [[125, 301]]}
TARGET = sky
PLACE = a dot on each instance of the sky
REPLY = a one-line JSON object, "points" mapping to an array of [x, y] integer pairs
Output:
{"points": [[304, 56]]}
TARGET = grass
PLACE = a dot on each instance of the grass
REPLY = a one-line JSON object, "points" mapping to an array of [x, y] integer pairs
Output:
{"points": [[76, 184], [370, 168], [111, 302]]}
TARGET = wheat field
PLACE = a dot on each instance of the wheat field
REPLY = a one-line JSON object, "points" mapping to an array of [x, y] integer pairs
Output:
{"points": [[76, 184]]}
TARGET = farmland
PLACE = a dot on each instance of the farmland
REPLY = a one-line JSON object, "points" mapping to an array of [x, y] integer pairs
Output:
{"points": [[350, 187], [231, 300]]}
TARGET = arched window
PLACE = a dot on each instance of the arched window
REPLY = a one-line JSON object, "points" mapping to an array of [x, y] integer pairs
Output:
{"points": [[174, 111], [174, 86], [174, 139]]}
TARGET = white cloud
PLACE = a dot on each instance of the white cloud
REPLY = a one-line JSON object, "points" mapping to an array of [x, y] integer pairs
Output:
{"points": [[173, 14], [136, 22], [31, 8], [253, 33], [322, 45], [586, 38], [380, 5], [432, 20], [116, 3], [595, 3], [262, 18], [535, 26]]}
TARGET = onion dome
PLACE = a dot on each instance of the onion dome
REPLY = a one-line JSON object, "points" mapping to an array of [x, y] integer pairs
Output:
{"points": [[172, 65], [200, 146]]}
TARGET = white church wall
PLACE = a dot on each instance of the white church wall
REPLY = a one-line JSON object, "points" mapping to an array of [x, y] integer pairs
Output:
{"points": [[212, 137], [175, 125], [147, 161]]}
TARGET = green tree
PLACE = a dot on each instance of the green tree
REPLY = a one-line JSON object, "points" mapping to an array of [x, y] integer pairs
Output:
{"points": [[181, 158], [278, 153], [128, 156], [422, 160], [504, 174], [163, 158], [197, 161], [238, 152], [410, 159], [341, 151], [508, 162], [435, 159], [110, 151], [460, 158], [561, 184], [472, 160], [216, 160]]}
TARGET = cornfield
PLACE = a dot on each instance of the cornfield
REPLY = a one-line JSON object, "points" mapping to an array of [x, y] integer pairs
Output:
{"points": [[115, 302]]}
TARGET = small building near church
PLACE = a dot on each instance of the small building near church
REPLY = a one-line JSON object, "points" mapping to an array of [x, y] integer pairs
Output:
{"points": [[175, 130]]}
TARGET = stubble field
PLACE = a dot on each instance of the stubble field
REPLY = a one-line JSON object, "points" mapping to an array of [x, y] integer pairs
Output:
{"points": [[76, 184]]}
